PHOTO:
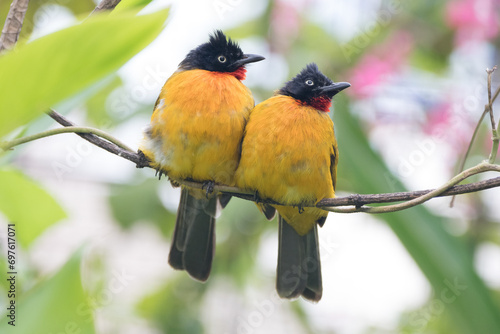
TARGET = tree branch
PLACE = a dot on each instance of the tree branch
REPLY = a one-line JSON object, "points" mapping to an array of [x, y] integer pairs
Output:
{"points": [[106, 145], [480, 168], [105, 5], [13, 24], [358, 201]]}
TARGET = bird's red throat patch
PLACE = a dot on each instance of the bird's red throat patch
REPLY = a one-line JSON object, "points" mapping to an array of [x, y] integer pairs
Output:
{"points": [[240, 73], [321, 103]]}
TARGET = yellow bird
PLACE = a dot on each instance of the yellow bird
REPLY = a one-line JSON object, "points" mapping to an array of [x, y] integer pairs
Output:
{"points": [[289, 155], [195, 134]]}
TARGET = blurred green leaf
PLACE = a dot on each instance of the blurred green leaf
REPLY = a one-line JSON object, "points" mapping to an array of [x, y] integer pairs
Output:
{"points": [[132, 6], [54, 306], [256, 27], [140, 202], [72, 59], [96, 105], [445, 260], [176, 307], [27, 205]]}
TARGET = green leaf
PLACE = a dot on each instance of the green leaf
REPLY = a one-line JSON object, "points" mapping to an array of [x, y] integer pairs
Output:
{"points": [[39, 74], [175, 308], [54, 306], [140, 202], [97, 104], [445, 260], [27, 205], [131, 6]]}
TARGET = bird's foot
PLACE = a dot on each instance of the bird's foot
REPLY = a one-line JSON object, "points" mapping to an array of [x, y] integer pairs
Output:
{"points": [[209, 185], [159, 173], [143, 160]]}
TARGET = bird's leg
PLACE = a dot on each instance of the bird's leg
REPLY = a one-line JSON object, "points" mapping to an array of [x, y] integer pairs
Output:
{"points": [[301, 209], [209, 185], [256, 197]]}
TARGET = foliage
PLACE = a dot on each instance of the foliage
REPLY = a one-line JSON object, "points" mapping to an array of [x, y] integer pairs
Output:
{"points": [[35, 76], [385, 59]]}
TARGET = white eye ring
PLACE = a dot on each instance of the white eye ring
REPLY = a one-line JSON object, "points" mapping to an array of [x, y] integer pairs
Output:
{"points": [[309, 82], [222, 59]]}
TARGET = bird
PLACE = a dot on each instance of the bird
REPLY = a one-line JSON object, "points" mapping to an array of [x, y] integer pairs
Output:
{"points": [[195, 134], [289, 156]]}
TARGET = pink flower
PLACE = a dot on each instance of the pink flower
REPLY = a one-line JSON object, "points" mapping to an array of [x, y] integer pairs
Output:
{"points": [[379, 64], [285, 25], [474, 20], [447, 123]]}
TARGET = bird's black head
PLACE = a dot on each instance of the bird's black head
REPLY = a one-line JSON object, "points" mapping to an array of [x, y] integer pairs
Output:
{"points": [[219, 54], [313, 88]]}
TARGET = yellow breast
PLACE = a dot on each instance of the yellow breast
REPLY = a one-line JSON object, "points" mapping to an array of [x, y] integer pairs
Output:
{"points": [[197, 125], [286, 152], [286, 156]]}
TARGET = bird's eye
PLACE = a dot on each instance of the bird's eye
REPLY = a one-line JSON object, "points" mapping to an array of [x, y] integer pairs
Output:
{"points": [[222, 59], [309, 82]]}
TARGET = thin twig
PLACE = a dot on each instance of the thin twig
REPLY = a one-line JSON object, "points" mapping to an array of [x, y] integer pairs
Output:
{"points": [[70, 129], [495, 136], [13, 24], [490, 101], [474, 135]]}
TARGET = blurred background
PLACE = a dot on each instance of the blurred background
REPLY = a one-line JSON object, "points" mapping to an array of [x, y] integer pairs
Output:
{"points": [[418, 79]]}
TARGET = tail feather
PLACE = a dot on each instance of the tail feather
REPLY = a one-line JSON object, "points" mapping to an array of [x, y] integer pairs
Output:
{"points": [[268, 210], [314, 286], [290, 279], [224, 199], [179, 237], [193, 241], [299, 269]]}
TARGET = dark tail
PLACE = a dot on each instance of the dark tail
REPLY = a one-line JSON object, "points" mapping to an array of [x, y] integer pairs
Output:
{"points": [[299, 267], [194, 236]]}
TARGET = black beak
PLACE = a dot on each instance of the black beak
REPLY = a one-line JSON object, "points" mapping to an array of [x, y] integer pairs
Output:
{"points": [[332, 90], [247, 58]]}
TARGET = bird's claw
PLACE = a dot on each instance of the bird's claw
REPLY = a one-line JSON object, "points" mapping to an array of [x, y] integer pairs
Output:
{"points": [[209, 185], [159, 173]]}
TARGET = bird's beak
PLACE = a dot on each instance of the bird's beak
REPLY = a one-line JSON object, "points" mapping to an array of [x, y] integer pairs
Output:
{"points": [[332, 90], [248, 58]]}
